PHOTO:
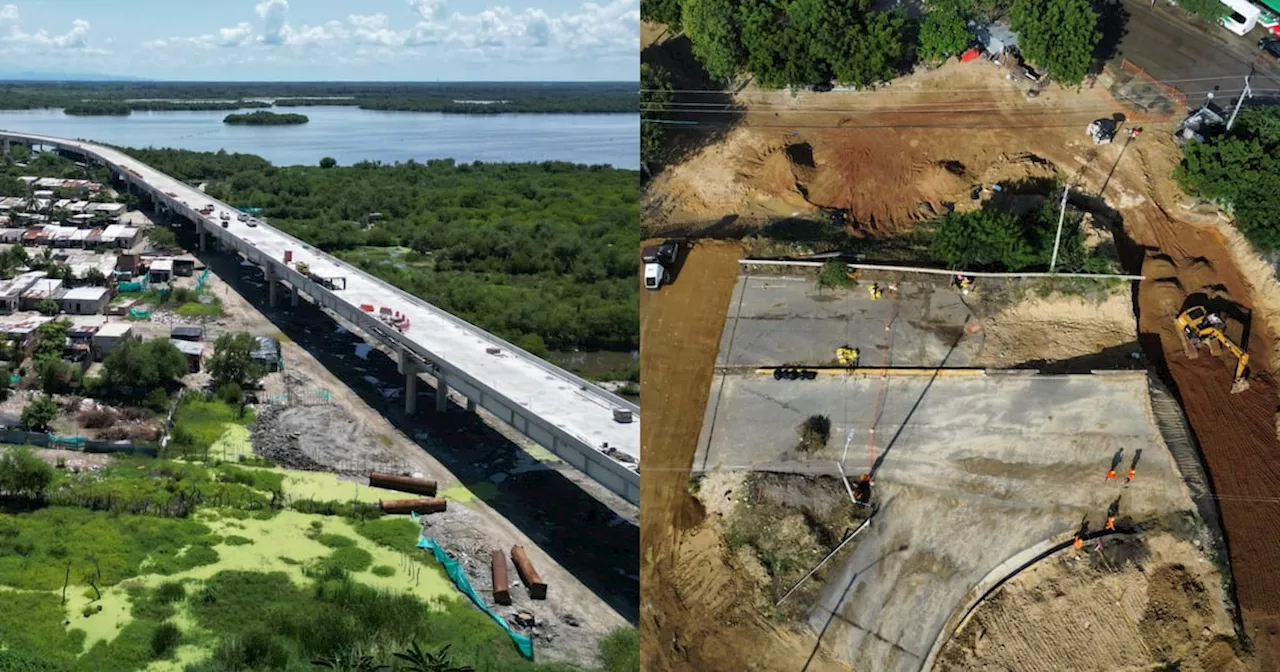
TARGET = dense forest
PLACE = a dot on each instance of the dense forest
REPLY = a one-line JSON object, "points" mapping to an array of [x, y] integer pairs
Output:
{"points": [[261, 118], [452, 97], [123, 108], [543, 254]]}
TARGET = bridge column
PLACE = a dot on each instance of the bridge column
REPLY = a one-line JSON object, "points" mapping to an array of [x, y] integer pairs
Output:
{"points": [[471, 405], [200, 228], [293, 298], [270, 275], [442, 392], [409, 367], [8, 144]]}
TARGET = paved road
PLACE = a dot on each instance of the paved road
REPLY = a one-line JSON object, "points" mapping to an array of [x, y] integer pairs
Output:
{"points": [[1192, 55], [779, 320], [502, 377]]}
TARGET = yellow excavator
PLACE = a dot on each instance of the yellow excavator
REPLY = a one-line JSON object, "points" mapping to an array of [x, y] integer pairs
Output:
{"points": [[1197, 327]]}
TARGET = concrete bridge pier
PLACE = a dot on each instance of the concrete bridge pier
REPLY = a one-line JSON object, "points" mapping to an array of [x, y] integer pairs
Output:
{"points": [[200, 228], [409, 367], [270, 274], [293, 297], [442, 392]]}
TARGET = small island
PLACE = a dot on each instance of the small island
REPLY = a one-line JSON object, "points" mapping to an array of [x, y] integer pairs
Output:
{"points": [[95, 108], [262, 118]]}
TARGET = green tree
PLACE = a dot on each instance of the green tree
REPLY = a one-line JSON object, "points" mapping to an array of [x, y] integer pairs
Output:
{"points": [[945, 32], [662, 11], [153, 365], [853, 44], [40, 413], [51, 340], [982, 239], [94, 276], [655, 99], [713, 28], [1058, 35], [834, 273], [1240, 169], [232, 362], [22, 473], [5, 385], [775, 37], [162, 238], [328, 162], [48, 307]]}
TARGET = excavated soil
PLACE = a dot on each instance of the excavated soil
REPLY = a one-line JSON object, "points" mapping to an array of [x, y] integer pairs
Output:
{"points": [[878, 153], [1039, 329], [1091, 612], [698, 601]]}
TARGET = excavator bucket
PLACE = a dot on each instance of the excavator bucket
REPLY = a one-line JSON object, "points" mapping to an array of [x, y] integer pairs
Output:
{"points": [[1188, 348], [1215, 348], [1239, 386]]}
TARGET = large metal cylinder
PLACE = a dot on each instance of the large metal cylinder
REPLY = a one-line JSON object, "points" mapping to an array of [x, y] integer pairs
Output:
{"points": [[537, 589], [501, 586], [419, 486], [419, 506]]}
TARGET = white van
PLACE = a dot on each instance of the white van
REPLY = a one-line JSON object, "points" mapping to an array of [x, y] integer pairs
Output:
{"points": [[1242, 17]]}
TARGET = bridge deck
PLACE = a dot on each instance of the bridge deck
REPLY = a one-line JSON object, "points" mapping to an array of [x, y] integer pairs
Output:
{"points": [[580, 409]]}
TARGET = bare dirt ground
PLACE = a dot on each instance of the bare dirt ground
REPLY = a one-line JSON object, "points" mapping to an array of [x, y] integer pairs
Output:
{"points": [[1048, 328], [895, 155], [1142, 602], [698, 606]]}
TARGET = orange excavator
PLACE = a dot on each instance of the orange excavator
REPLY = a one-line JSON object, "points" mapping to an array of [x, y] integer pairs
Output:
{"points": [[1196, 327]]}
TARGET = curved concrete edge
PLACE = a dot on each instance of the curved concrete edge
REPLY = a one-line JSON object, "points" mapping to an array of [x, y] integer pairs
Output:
{"points": [[996, 578]]}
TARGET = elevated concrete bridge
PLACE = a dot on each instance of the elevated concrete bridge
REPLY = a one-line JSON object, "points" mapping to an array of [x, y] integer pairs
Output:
{"points": [[590, 428]]}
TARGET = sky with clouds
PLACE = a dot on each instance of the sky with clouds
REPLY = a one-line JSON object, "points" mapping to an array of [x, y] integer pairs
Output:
{"points": [[399, 40]]}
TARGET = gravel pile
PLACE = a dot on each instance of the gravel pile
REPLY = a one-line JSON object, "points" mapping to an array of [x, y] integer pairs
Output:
{"points": [[318, 438]]}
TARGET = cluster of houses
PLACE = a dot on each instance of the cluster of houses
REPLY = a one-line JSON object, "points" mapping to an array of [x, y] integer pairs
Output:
{"points": [[29, 290]]}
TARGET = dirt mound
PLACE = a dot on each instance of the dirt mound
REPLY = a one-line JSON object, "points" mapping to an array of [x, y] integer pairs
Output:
{"points": [[1093, 612], [319, 438], [1056, 328]]}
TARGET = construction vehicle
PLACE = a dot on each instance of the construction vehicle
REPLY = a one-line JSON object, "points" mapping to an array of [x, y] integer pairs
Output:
{"points": [[658, 260], [847, 356], [302, 267], [1196, 327]]}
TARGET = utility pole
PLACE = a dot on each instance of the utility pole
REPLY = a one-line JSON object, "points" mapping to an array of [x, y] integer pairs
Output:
{"points": [[1248, 92], [1062, 214]]}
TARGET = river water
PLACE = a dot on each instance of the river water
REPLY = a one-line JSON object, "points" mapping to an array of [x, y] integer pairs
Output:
{"points": [[350, 134]]}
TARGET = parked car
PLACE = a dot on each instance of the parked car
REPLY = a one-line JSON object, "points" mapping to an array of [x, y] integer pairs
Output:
{"points": [[1271, 46], [252, 223], [242, 217]]}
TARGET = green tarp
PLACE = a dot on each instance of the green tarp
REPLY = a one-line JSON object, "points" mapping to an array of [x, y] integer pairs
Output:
{"points": [[139, 314], [451, 566]]}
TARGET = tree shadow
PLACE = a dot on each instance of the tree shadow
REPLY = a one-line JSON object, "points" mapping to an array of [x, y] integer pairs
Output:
{"points": [[702, 110], [543, 503], [1113, 21]]}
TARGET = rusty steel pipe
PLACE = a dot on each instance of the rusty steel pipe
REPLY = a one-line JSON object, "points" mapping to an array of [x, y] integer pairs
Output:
{"points": [[420, 506], [419, 486], [537, 589], [501, 587]]}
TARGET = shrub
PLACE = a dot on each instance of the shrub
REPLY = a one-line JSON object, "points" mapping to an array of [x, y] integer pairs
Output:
{"points": [[40, 413], [164, 639], [170, 591], [620, 650], [22, 473], [351, 558], [383, 570], [814, 433]]}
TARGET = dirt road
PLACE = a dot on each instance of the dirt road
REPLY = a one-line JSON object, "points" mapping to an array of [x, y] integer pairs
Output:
{"points": [[698, 611]]}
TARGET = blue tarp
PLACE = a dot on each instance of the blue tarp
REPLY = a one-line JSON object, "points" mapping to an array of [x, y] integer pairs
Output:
{"points": [[451, 566]]}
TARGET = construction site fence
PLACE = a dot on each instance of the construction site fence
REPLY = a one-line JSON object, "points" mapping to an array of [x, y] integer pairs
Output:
{"points": [[459, 577], [77, 443], [204, 277], [1179, 98], [938, 271]]}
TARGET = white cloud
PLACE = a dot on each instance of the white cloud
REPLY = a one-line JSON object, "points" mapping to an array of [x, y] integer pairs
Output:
{"points": [[19, 40], [235, 36], [424, 30]]}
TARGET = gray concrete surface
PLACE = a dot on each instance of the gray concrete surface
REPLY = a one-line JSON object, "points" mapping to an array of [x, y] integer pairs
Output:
{"points": [[779, 320], [975, 469]]}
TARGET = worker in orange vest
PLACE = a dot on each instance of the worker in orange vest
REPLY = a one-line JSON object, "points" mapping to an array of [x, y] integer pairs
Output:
{"points": [[1132, 472], [1078, 543], [1111, 523], [1111, 474]]}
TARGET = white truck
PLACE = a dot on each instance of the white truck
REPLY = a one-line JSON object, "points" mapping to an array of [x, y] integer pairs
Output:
{"points": [[657, 261]]}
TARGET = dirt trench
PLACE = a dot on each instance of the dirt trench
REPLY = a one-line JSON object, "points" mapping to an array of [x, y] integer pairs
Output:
{"points": [[1185, 265]]}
